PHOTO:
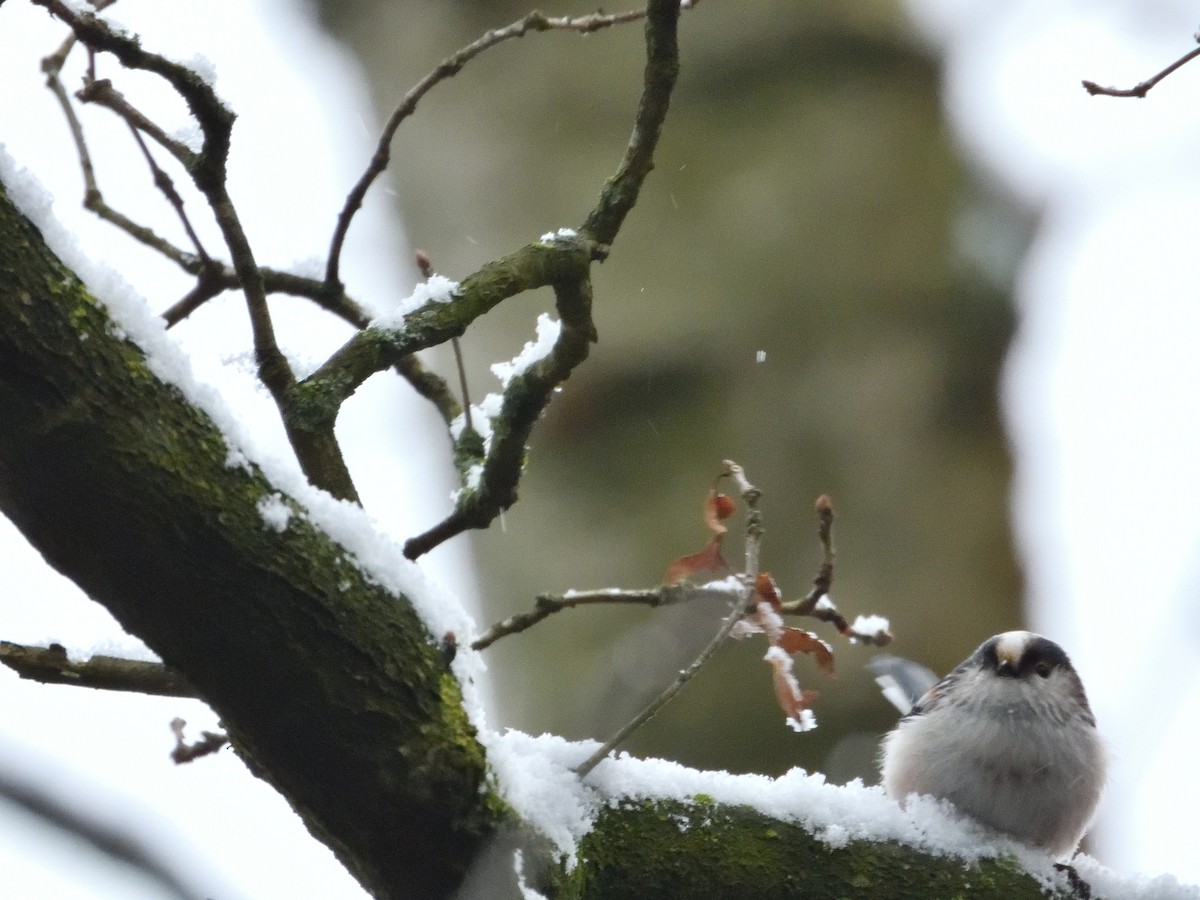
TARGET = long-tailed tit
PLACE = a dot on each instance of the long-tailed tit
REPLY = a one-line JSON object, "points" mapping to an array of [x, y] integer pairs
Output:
{"points": [[1007, 737]]}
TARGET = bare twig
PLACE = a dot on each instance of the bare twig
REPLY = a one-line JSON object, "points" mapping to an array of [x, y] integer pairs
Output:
{"points": [[1140, 90], [93, 200], [210, 742], [163, 182], [312, 439], [818, 604], [824, 580], [447, 68], [50, 665], [102, 93], [547, 604], [735, 614], [754, 534]]}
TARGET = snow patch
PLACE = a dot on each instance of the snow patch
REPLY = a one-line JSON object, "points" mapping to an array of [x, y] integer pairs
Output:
{"points": [[548, 330], [871, 625], [435, 289], [274, 512]]}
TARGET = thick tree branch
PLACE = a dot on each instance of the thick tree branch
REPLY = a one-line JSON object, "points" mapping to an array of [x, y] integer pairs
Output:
{"points": [[328, 684], [675, 850]]}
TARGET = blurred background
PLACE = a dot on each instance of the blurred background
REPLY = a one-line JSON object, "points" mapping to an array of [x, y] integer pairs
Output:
{"points": [[809, 205], [891, 252]]}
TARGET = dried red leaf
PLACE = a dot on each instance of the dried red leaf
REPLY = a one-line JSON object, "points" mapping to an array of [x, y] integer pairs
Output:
{"points": [[717, 507], [707, 560], [796, 640], [767, 589], [792, 700]]}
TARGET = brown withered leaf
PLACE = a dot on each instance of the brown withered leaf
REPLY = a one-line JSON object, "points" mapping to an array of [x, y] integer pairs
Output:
{"points": [[793, 700], [767, 589], [797, 640], [707, 560]]}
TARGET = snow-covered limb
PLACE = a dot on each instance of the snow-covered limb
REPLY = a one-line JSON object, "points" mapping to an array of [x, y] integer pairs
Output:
{"points": [[655, 828], [123, 483], [565, 267], [52, 665]]}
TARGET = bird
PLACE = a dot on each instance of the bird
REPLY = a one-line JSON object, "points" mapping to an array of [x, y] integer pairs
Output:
{"points": [[1008, 738]]}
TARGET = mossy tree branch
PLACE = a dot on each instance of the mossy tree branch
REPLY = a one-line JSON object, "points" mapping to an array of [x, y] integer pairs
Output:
{"points": [[671, 849], [329, 686]]}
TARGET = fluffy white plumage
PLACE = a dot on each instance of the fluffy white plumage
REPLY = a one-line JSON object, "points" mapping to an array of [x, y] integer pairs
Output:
{"points": [[1009, 739]]}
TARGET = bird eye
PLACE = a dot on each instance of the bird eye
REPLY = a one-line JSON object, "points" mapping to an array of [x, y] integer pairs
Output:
{"points": [[1043, 669]]}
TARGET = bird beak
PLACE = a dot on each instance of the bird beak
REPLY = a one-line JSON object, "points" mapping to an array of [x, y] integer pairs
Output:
{"points": [[1007, 659]]}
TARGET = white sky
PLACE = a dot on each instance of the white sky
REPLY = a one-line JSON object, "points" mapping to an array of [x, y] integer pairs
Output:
{"points": [[1101, 389], [1099, 394]]}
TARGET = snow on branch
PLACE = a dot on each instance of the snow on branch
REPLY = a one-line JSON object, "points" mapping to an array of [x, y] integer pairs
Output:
{"points": [[52, 665], [489, 470]]}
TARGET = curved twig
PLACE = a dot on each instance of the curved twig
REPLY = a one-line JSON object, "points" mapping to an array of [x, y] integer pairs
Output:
{"points": [[447, 68]]}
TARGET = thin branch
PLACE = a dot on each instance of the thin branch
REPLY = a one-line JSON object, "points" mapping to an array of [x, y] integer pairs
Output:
{"points": [[824, 580], [207, 286], [425, 264], [93, 200], [50, 665], [818, 604], [620, 192], [525, 398], [1140, 90], [215, 119], [447, 68], [735, 614], [754, 534], [163, 182], [110, 836], [102, 93], [548, 604]]}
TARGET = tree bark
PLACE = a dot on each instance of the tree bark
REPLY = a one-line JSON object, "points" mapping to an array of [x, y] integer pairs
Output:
{"points": [[671, 849], [329, 687]]}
